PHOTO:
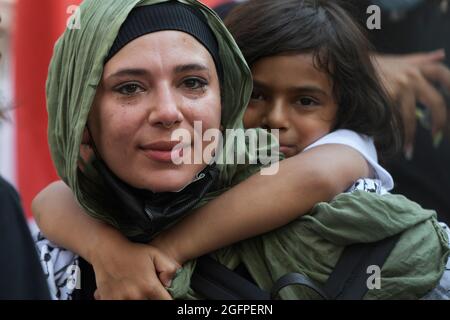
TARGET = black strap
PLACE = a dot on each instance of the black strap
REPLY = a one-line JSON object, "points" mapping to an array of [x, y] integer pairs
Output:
{"points": [[296, 279], [348, 281], [88, 282], [216, 282]]}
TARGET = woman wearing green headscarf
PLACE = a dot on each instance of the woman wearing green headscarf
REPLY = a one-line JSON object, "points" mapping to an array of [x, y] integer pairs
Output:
{"points": [[79, 86], [193, 73]]}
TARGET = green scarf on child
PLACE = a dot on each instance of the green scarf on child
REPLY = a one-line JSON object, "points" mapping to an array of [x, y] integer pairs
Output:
{"points": [[313, 243]]}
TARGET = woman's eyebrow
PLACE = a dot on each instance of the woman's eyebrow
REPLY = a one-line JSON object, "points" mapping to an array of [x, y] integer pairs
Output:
{"points": [[144, 72], [129, 72], [191, 67]]}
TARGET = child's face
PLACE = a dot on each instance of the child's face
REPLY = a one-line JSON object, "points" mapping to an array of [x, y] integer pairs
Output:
{"points": [[291, 95]]}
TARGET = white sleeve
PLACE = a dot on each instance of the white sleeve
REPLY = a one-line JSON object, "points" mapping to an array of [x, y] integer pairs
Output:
{"points": [[364, 145]]}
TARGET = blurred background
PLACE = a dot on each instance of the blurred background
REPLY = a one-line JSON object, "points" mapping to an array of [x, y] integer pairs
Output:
{"points": [[6, 10]]}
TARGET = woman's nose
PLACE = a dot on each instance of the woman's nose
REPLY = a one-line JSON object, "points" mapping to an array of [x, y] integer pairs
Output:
{"points": [[165, 108]]}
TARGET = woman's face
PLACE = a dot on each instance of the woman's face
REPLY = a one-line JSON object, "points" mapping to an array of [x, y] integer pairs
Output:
{"points": [[155, 84], [292, 95]]}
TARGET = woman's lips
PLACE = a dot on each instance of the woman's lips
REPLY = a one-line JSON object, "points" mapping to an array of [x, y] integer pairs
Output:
{"points": [[159, 155], [162, 151]]}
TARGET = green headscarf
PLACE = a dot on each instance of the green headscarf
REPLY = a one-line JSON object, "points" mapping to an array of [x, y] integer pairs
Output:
{"points": [[75, 72]]}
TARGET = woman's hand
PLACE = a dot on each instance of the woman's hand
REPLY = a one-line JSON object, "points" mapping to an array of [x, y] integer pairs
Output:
{"points": [[131, 271]]}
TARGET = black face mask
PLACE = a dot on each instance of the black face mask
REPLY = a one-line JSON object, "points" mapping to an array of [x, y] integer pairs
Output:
{"points": [[156, 211]]}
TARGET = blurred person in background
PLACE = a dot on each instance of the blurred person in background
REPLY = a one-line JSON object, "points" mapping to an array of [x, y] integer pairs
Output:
{"points": [[414, 47], [21, 275]]}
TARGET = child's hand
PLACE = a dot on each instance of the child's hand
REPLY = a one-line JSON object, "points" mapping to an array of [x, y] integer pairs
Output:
{"points": [[126, 270]]}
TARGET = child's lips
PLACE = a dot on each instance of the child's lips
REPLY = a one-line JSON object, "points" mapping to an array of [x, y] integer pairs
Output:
{"points": [[288, 149]]}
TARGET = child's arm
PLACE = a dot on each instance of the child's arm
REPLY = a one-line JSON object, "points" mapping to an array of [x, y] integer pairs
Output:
{"points": [[257, 205], [65, 223], [263, 203]]}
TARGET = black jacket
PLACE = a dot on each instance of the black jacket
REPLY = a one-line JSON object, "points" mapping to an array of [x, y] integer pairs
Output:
{"points": [[21, 275]]}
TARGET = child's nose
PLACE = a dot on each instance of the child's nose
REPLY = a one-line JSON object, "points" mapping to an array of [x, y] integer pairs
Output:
{"points": [[276, 117]]}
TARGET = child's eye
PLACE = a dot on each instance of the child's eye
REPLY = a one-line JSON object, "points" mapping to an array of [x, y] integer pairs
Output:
{"points": [[305, 101], [129, 89], [257, 96], [195, 83]]}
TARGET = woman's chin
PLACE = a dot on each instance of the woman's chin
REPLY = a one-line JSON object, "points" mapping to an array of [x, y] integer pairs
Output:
{"points": [[169, 182], [167, 187]]}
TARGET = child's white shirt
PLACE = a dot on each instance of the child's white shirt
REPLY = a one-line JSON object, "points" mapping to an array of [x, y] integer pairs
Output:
{"points": [[365, 146]]}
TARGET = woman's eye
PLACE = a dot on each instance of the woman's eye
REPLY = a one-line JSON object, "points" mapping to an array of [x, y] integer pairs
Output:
{"points": [[305, 101], [129, 89], [194, 83]]}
